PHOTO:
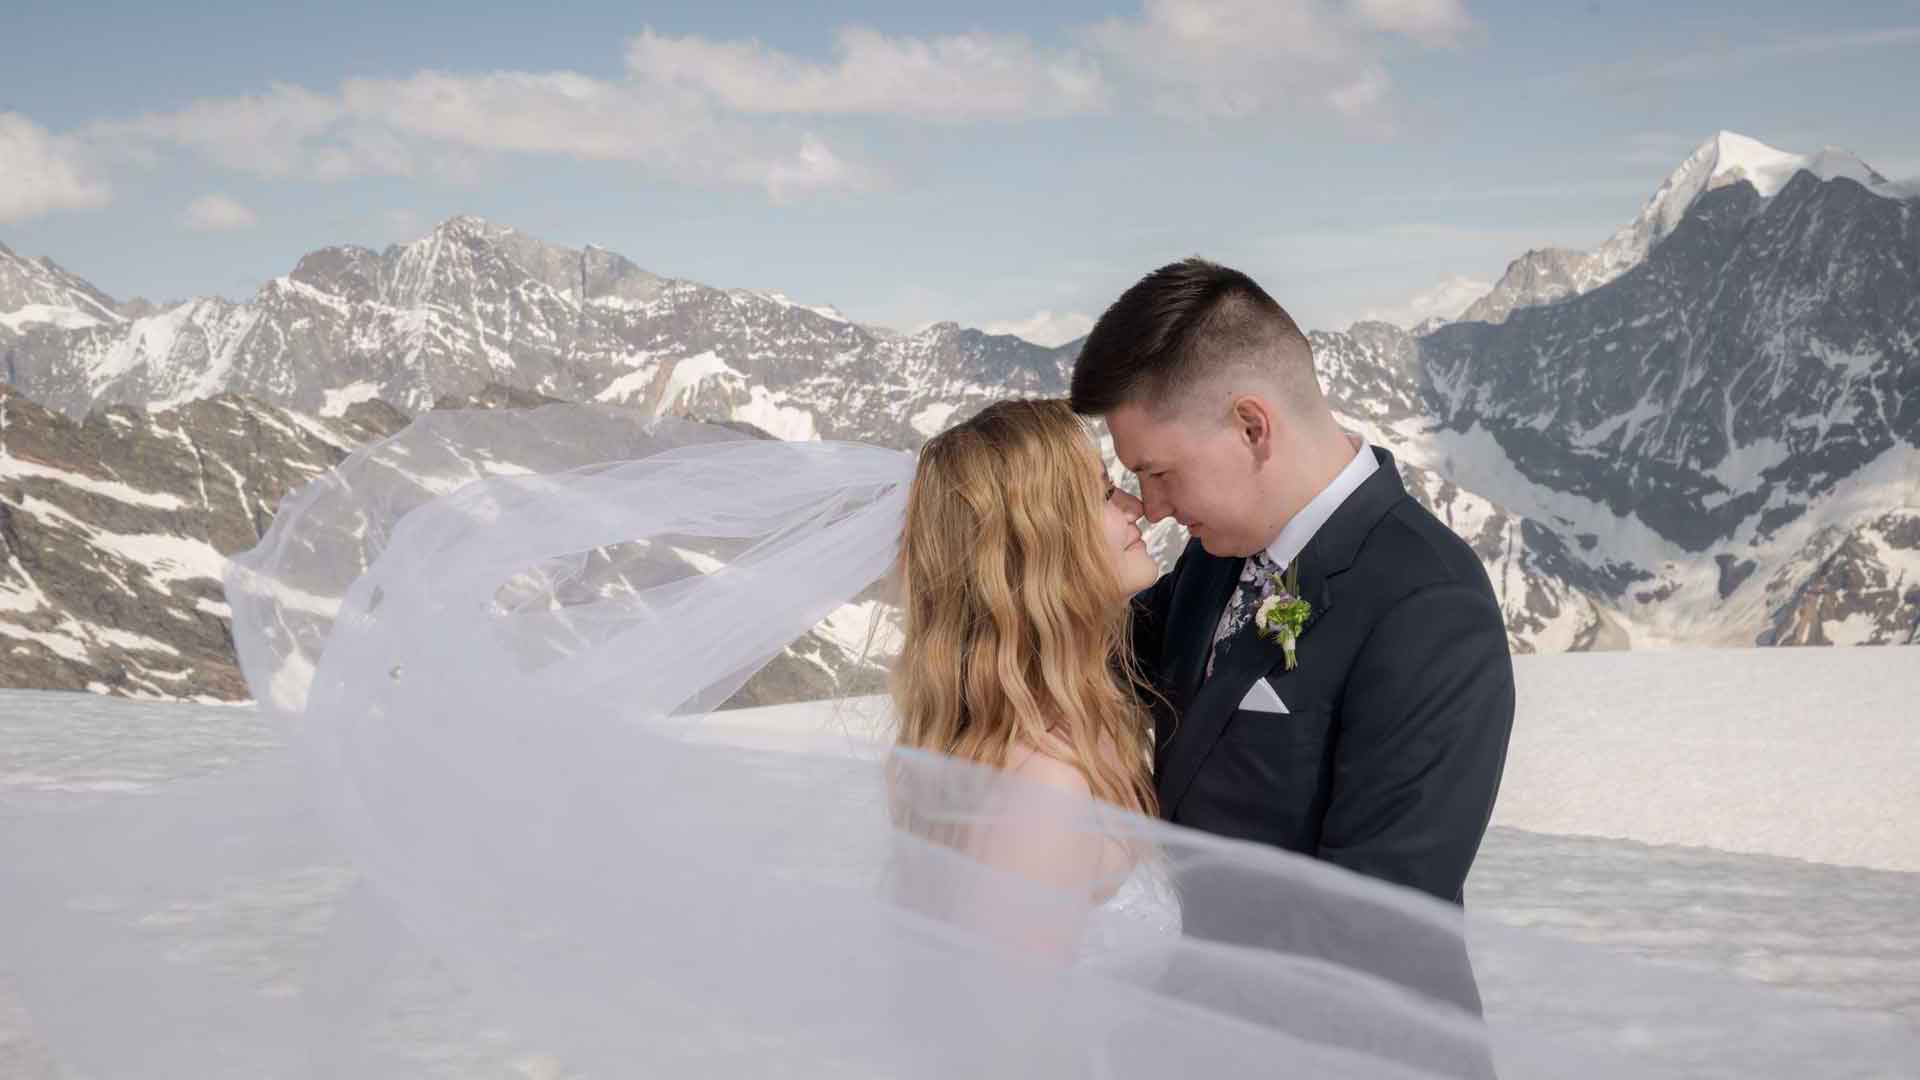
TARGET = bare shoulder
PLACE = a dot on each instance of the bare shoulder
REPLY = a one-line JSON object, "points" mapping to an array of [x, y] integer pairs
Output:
{"points": [[1029, 763]]}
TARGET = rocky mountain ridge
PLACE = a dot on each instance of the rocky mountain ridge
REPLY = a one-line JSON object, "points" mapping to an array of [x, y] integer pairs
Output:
{"points": [[475, 304], [1716, 445]]}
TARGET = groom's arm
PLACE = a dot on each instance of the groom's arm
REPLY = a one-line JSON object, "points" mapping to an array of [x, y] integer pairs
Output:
{"points": [[1422, 741]]}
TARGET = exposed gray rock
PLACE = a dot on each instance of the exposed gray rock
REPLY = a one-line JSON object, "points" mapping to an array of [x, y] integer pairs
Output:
{"points": [[1759, 356], [114, 532], [1539, 277]]}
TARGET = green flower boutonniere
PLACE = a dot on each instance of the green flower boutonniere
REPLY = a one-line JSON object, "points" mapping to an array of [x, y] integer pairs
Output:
{"points": [[1283, 615]]}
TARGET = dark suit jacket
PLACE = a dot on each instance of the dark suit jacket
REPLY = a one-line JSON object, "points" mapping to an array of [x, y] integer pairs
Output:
{"points": [[1401, 703]]}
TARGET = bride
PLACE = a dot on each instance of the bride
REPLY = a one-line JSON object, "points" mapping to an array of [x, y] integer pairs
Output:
{"points": [[504, 833], [1017, 559]]}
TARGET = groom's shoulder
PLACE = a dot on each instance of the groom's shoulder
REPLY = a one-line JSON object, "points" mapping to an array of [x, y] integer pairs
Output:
{"points": [[1410, 549]]}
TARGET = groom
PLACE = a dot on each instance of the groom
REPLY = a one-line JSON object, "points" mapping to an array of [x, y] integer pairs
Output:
{"points": [[1380, 748]]}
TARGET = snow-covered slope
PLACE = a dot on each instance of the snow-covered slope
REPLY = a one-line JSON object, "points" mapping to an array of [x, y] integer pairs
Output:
{"points": [[1806, 754], [1708, 810]]}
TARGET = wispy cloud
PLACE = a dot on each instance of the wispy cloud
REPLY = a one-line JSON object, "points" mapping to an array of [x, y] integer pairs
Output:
{"points": [[1047, 328], [1445, 300], [1236, 57], [41, 172], [1714, 57], [217, 213], [949, 77], [439, 124], [716, 112], [1184, 57], [1430, 22]]}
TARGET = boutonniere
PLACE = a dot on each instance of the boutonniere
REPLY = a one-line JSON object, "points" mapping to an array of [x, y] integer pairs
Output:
{"points": [[1283, 615]]}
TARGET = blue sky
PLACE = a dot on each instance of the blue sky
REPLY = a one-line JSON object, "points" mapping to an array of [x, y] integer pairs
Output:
{"points": [[911, 166]]}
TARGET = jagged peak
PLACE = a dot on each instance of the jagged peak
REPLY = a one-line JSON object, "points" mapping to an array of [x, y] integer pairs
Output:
{"points": [[472, 224]]}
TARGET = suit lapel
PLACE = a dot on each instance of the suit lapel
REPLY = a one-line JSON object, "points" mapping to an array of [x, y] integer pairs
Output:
{"points": [[1206, 707], [1198, 605], [1210, 603]]}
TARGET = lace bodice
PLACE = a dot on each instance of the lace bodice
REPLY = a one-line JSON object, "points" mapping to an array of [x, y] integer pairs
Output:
{"points": [[1133, 928]]}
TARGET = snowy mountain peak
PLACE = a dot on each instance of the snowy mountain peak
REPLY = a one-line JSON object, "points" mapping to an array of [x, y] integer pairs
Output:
{"points": [[469, 225], [1733, 154], [1723, 160], [1729, 158]]}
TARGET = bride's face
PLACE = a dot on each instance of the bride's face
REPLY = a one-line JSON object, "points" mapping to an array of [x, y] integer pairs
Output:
{"points": [[1120, 521]]}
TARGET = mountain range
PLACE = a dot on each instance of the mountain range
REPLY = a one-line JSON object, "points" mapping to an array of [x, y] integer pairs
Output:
{"points": [[1702, 433]]}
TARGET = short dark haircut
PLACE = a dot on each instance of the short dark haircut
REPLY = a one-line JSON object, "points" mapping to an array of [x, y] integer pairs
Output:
{"points": [[1182, 324]]}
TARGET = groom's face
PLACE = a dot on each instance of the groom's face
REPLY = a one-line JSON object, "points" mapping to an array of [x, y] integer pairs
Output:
{"points": [[1198, 473]]}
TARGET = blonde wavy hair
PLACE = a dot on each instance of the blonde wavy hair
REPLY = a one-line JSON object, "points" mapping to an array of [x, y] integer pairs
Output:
{"points": [[1016, 630]]}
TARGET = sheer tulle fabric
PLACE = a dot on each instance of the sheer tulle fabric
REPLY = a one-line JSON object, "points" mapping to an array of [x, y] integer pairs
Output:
{"points": [[488, 846]]}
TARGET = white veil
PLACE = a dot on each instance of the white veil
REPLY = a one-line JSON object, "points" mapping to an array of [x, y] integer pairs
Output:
{"points": [[487, 846]]}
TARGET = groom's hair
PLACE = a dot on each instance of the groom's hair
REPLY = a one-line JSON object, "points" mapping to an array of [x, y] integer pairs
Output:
{"points": [[1179, 327]]}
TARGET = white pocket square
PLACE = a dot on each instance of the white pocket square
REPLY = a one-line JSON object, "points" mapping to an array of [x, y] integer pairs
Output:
{"points": [[1261, 698]]}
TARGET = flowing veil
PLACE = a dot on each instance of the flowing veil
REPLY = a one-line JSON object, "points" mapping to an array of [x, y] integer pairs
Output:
{"points": [[491, 842]]}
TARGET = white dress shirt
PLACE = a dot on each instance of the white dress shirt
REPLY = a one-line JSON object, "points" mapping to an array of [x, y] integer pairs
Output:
{"points": [[1297, 532], [1294, 535]]}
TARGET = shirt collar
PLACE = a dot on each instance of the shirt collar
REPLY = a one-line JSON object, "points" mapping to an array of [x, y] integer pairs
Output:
{"points": [[1294, 536]]}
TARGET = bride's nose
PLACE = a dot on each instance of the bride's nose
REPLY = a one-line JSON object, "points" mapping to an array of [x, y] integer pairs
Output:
{"points": [[1128, 504]]}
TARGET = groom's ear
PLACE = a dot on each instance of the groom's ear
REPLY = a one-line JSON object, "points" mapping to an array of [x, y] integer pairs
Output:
{"points": [[1253, 422]]}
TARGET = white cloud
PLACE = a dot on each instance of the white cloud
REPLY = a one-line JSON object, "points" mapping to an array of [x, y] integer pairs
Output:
{"points": [[1044, 327], [1366, 94], [1443, 301], [950, 77], [41, 172], [217, 213], [446, 124], [811, 170], [1238, 57], [270, 134], [710, 112], [1183, 57], [1430, 22], [560, 113]]}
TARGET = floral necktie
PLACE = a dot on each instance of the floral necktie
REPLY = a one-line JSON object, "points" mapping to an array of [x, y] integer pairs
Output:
{"points": [[1256, 584]]}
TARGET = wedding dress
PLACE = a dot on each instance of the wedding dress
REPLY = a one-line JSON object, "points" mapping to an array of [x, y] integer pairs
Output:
{"points": [[1133, 931], [487, 845]]}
